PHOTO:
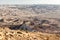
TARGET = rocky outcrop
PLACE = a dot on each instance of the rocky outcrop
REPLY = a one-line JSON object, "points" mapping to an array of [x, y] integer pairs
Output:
{"points": [[8, 34]]}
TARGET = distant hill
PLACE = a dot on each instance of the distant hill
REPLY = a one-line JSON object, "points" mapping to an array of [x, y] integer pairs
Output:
{"points": [[51, 11]]}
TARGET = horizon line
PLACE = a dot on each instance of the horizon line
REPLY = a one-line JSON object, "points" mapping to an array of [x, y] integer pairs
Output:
{"points": [[29, 4]]}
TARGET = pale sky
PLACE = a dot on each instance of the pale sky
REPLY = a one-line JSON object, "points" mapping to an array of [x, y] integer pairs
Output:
{"points": [[29, 1]]}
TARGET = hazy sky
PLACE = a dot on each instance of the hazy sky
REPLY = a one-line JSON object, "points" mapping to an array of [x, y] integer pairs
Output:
{"points": [[29, 1]]}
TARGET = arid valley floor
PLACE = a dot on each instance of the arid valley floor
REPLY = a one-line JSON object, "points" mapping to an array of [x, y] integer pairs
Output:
{"points": [[29, 22]]}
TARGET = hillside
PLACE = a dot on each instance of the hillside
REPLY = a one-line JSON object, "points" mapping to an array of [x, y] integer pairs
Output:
{"points": [[29, 22]]}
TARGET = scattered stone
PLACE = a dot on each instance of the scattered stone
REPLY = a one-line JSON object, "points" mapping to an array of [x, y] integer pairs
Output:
{"points": [[1, 20], [45, 21]]}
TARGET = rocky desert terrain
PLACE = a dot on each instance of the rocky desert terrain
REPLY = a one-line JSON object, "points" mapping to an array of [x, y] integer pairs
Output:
{"points": [[29, 22]]}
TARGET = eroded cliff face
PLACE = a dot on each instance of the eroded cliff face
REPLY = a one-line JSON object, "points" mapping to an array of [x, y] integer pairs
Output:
{"points": [[16, 24]]}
